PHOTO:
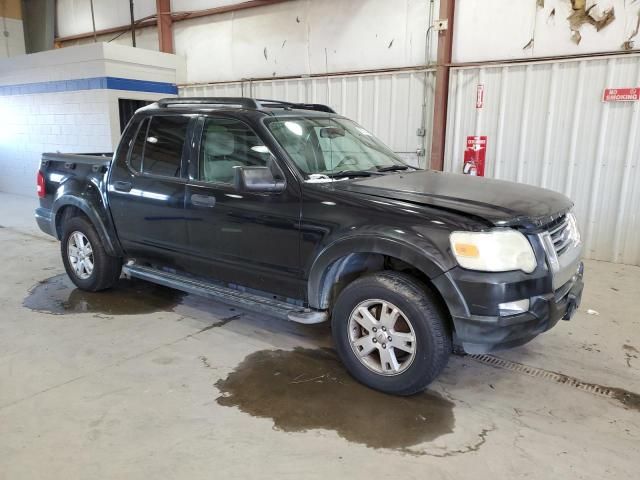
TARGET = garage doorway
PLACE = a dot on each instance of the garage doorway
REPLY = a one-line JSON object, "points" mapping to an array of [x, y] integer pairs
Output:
{"points": [[127, 107]]}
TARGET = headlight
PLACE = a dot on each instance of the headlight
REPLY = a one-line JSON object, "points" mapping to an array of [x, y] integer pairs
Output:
{"points": [[574, 231], [495, 251]]}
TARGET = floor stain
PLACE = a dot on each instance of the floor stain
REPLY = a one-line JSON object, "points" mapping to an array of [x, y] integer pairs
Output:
{"points": [[590, 347], [58, 296], [220, 323], [628, 399], [205, 361], [630, 353], [308, 389]]}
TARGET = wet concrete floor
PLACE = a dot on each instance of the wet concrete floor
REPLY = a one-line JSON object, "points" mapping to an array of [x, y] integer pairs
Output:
{"points": [[305, 389], [58, 295], [300, 390], [303, 386]]}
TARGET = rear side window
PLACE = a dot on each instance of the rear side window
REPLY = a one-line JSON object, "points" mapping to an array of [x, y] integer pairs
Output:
{"points": [[157, 149]]}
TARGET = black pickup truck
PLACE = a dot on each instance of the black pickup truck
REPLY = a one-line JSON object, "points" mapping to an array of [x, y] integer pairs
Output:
{"points": [[294, 211]]}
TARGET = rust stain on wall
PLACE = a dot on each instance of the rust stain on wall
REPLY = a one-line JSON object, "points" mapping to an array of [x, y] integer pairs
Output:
{"points": [[578, 4], [582, 15]]}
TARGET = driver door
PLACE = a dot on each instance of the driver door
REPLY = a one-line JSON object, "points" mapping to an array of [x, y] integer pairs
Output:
{"points": [[251, 239]]}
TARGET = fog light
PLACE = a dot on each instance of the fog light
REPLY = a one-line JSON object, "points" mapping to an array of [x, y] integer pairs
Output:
{"points": [[513, 308]]}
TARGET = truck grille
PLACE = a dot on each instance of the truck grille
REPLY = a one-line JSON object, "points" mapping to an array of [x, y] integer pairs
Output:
{"points": [[561, 234], [563, 247]]}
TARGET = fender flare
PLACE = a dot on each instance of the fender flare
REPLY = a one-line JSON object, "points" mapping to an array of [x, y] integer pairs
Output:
{"points": [[317, 288], [111, 245]]}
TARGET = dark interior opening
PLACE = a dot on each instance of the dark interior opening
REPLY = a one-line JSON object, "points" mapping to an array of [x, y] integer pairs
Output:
{"points": [[127, 108]]}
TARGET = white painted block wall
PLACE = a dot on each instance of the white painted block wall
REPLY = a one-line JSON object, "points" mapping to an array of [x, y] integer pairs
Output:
{"points": [[72, 122], [81, 121]]}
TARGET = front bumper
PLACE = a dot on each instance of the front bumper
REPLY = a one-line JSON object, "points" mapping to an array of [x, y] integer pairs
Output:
{"points": [[478, 333]]}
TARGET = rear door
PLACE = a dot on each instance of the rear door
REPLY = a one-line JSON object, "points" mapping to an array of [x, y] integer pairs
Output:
{"points": [[245, 238], [147, 190]]}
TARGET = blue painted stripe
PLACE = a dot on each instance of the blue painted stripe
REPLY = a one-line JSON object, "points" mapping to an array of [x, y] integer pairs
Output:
{"points": [[96, 83], [115, 83]]}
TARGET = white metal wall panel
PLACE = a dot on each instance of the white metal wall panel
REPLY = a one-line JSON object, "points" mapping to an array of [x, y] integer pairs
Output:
{"points": [[388, 104], [547, 126]]}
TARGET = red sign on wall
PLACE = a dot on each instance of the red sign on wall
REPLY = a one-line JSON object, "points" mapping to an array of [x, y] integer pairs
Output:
{"points": [[475, 155], [621, 94]]}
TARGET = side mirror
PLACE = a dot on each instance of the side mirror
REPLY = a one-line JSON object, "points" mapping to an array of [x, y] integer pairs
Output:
{"points": [[256, 179]]}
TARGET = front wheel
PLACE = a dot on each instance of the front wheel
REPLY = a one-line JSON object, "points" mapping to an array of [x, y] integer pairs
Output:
{"points": [[391, 333], [85, 259]]}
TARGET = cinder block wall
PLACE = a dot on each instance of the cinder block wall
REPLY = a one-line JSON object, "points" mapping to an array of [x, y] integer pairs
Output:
{"points": [[48, 122], [67, 101]]}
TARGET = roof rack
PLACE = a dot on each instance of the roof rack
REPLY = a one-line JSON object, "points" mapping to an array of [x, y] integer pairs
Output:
{"points": [[249, 103], [301, 106], [243, 102]]}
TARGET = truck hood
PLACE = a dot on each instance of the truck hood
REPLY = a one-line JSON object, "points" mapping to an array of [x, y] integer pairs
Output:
{"points": [[498, 202]]}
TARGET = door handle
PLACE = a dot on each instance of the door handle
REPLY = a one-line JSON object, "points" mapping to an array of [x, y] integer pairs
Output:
{"points": [[122, 186], [203, 200]]}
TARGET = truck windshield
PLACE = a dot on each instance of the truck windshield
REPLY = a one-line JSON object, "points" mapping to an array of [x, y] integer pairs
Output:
{"points": [[327, 146]]}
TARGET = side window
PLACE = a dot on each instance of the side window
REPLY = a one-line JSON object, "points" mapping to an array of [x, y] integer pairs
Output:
{"points": [[137, 147], [226, 144], [162, 145]]}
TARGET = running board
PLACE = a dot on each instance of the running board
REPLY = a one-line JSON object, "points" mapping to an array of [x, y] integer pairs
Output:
{"points": [[244, 300]]}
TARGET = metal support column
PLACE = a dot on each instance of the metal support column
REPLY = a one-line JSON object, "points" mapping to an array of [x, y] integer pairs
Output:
{"points": [[165, 26], [445, 46]]}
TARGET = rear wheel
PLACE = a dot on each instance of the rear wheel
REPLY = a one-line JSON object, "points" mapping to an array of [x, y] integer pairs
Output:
{"points": [[85, 259], [391, 333]]}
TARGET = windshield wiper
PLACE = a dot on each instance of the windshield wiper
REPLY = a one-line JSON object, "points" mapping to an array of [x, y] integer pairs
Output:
{"points": [[350, 173], [392, 168]]}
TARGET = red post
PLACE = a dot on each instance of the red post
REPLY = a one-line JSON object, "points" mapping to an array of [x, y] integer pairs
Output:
{"points": [[445, 46], [165, 25]]}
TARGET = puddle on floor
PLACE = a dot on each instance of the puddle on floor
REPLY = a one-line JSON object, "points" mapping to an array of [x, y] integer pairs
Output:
{"points": [[307, 389], [58, 295]]}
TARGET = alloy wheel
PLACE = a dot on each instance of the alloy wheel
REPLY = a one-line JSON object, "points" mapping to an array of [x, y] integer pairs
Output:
{"points": [[382, 337], [80, 254]]}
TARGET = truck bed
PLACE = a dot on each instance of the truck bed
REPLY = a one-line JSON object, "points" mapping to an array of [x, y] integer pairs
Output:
{"points": [[78, 172], [78, 158]]}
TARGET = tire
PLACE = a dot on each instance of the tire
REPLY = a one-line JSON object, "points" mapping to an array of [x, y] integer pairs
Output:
{"points": [[421, 318], [105, 269]]}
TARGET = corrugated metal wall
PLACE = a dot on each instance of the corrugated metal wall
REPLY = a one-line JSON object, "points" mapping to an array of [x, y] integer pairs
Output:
{"points": [[547, 126], [389, 104]]}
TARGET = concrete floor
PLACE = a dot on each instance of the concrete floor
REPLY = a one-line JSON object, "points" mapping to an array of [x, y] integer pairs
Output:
{"points": [[159, 385]]}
